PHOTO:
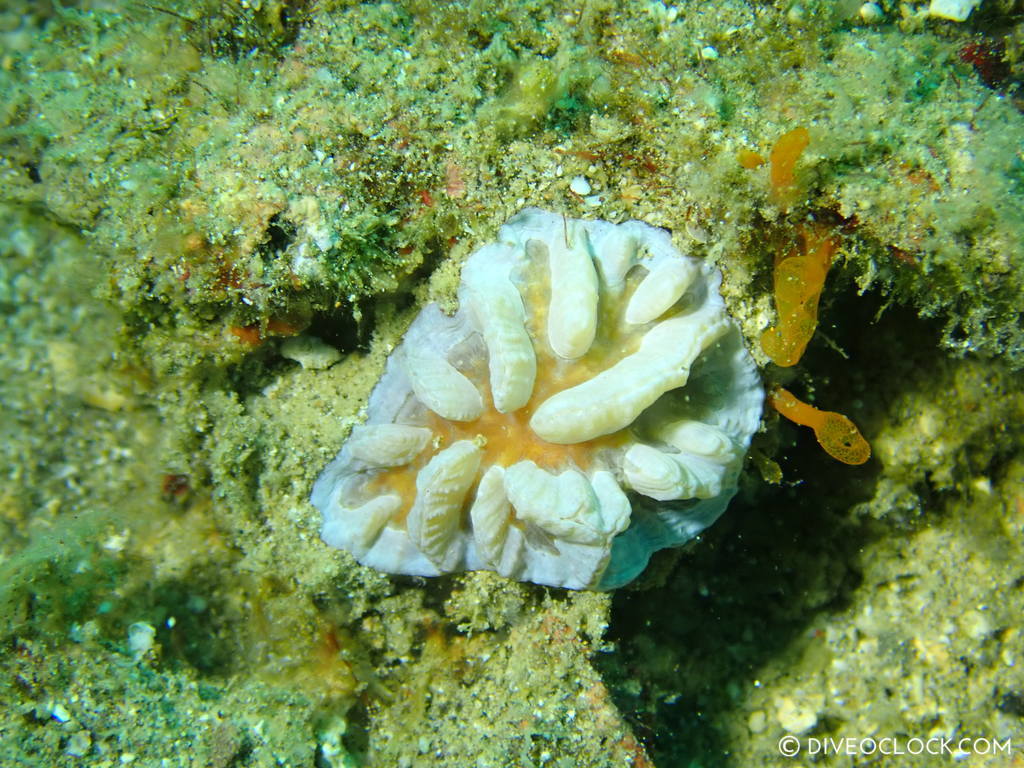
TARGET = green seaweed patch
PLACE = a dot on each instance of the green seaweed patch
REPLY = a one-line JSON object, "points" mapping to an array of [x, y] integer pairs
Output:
{"points": [[534, 89], [1015, 177], [365, 253], [925, 84], [58, 581], [726, 108], [569, 114]]}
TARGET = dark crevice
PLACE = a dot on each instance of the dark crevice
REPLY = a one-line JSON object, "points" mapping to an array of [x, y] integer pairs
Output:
{"points": [[279, 235], [344, 328]]}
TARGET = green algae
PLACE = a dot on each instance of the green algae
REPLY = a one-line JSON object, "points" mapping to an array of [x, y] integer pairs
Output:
{"points": [[204, 168]]}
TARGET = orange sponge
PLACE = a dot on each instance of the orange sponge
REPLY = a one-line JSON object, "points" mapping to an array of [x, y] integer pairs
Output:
{"points": [[837, 434]]}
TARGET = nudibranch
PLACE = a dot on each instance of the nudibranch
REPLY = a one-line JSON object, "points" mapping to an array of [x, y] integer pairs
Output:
{"points": [[589, 403]]}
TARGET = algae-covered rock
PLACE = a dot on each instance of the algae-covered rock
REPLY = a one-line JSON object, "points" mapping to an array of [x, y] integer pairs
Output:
{"points": [[188, 187]]}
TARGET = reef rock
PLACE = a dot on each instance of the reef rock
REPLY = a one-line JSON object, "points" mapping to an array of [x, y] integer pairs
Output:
{"points": [[590, 403]]}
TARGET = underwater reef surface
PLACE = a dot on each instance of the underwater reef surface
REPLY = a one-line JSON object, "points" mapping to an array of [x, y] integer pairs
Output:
{"points": [[219, 219]]}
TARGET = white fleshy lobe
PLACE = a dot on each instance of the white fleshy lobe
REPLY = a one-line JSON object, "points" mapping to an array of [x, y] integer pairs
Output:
{"points": [[617, 247], [704, 478], [562, 505], [490, 515], [664, 285], [498, 543], [647, 380], [441, 387], [497, 308], [441, 489], [614, 398], [572, 312], [652, 472], [612, 502], [670, 476], [356, 529], [513, 553], [387, 445], [701, 439]]}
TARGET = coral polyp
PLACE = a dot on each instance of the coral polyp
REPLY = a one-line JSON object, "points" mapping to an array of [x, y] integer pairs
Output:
{"points": [[589, 403]]}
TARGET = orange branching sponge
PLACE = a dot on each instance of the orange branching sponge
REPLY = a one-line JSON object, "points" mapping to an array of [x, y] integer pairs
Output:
{"points": [[782, 163], [799, 278], [837, 434]]}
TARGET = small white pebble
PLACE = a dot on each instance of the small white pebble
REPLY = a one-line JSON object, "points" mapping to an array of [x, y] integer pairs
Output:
{"points": [[79, 744], [580, 185], [757, 721], [60, 714], [708, 53], [140, 638], [116, 542], [797, 716], [310, 352], [871, 13], [976, 625]]}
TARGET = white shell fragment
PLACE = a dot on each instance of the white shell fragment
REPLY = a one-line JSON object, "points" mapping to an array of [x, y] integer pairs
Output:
{"points": [[310, 352], [954, 10], [871, 13], [590, 403]]}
